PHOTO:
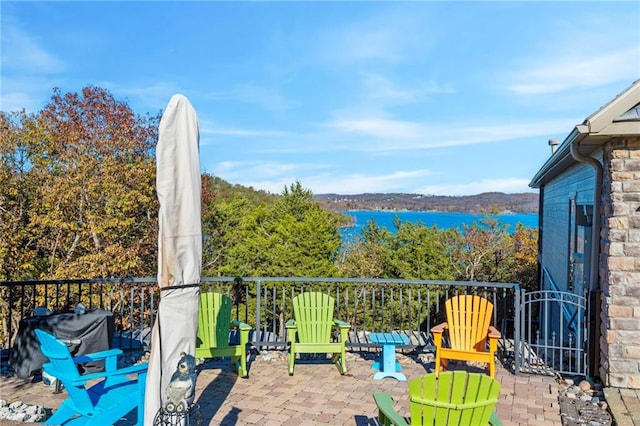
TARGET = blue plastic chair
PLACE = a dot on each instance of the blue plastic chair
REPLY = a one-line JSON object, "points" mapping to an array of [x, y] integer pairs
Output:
{"points": [[105, 401]]}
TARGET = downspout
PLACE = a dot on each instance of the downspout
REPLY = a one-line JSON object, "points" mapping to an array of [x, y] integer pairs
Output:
{"points": [[595, 227], [594, 275]]}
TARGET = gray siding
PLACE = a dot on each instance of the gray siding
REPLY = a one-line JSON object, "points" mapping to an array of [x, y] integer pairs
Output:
{"points": [[576, 183]]}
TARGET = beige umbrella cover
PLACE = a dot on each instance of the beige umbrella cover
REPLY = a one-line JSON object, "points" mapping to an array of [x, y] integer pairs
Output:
{"points": [[179, 247]]}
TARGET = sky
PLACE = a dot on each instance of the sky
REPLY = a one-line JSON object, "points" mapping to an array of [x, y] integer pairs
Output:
{"points": [[425, 97]]}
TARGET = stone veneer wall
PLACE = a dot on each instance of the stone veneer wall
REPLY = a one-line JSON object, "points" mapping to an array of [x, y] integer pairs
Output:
{"points": [[620, 264]]}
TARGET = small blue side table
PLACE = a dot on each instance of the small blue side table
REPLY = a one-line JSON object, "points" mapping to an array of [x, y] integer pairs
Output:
{"points": [[387, 363]]}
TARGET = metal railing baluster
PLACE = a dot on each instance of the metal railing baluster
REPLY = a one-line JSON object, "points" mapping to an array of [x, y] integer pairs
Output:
{"points": [[369, 305]]}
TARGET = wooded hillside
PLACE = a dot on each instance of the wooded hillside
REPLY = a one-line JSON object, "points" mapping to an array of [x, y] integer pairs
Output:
{"points": [[516, 203]]}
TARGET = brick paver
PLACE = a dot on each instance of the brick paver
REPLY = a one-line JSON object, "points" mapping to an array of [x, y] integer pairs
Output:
{"points": [[317, 394]]}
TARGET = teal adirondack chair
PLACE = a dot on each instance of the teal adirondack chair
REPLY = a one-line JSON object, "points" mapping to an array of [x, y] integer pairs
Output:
{"points": [[104, 402], [454, 398], [214, 327], [310, 330]]}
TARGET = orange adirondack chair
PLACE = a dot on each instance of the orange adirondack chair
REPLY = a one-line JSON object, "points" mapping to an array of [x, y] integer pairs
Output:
{"points": [[468, 326]]}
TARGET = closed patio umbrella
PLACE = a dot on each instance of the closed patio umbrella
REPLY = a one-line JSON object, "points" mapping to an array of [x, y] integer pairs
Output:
{"points": [[179, 247]]}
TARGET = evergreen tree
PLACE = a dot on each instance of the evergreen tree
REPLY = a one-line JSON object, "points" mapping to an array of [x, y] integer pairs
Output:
{"points": [[292, 236]]}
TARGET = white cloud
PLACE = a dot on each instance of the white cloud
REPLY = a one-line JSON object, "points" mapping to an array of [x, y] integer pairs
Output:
{"points": [[20, 96], [507, 185], [379, 128], [381, 88], [268, 176], [434, 87], [29, 71], [359, 183], [385, 37], [377, 86], [153, 96], [578, 72], [374, 137], [364, 43], [269, 98], [209, 128], [243, 170], [397, 135], [579, 51], [273, 177], [320, 178], [20, 51]]}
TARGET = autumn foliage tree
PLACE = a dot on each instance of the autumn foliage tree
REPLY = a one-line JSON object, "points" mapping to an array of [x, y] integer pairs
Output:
{"points": [[524, 269], [488, 251], [77, 191]]}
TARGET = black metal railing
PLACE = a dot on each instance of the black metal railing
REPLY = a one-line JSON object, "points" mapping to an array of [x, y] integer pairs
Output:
{"points": [[409, 306], [132, 300]]}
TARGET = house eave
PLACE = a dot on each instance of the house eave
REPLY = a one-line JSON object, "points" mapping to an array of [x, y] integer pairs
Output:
{"points": [[592, 134], [559, 161]]}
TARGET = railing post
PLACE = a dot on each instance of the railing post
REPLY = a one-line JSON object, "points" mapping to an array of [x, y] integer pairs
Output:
{"points": [[516, 331], [258, 302], [132, 312]]}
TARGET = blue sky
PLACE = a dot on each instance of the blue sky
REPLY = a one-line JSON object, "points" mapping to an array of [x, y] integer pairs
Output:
{"points": [[446, 98]]}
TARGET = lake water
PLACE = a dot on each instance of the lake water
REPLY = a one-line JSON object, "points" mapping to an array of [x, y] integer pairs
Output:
{"points": [[440, 220]]}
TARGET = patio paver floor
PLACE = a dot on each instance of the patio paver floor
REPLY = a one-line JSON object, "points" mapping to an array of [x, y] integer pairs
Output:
{"points": [[317, 394]]}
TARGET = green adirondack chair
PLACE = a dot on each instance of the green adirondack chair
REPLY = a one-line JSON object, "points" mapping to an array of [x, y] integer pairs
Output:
{"points": [[100, 398], [454, 398], [310, 330], [214, 327]]}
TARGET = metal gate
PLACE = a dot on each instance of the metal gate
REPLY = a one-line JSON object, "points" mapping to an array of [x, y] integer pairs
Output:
{"points": [[553, 333]]}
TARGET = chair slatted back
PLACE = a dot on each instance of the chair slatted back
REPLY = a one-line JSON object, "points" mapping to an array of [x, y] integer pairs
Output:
{"points": [[62, 367], [214, 320], [468, 318], [453, 398], [313, 313]]}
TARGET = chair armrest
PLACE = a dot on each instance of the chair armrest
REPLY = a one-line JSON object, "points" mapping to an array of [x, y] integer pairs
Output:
{"points": [[341, 324], [110, 358], [292, 329], [241, 325], [243, 330], [437, 333], [494, 333], [97, 356], [134, 369], [386, 412], [440, 328], [82, 380], [343, 328]]}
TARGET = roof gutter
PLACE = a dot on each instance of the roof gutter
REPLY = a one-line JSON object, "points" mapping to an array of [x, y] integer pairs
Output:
{"points": [[558, 157], [597, 194]]}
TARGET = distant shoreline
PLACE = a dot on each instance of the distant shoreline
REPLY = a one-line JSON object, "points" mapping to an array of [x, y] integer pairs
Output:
{"points": [[521, 203], [505, 212]]}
